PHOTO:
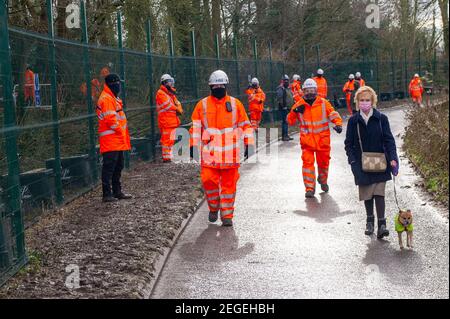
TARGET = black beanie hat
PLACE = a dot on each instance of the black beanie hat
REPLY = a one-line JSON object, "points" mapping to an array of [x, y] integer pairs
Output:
{"points": [[111, 78]]}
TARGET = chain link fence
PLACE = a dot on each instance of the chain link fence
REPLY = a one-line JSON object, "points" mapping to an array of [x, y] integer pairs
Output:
{"points": [[49, 153]]}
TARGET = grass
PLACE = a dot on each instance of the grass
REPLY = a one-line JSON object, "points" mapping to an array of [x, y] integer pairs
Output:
{"points": [[427, 146]]}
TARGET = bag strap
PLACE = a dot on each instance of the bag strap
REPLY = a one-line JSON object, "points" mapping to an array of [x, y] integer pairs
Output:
{"points": [[359, 136]]}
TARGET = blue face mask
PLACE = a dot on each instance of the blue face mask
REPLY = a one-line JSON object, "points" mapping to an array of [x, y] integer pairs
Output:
{"points": [[115, 88]]}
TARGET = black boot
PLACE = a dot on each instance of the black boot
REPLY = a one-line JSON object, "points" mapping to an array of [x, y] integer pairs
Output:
{"points": [[370, 226], [382, 230]]}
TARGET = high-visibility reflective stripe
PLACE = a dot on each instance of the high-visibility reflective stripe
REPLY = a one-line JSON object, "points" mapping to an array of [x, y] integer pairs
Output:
{"points": [[213, 198], [114, 126], [196, 135], [233, 112], [205, 108], [227, 205], [211, 205], [124, 126], [227, 196], [212, 191], [101, 116], [221, 148], [241, 124], [306, 178], [316, 123], [310, 185], [323, 129], [167, 109], [215, 131], [158, 106], [305, 170], [197, 124], [108, 132]]}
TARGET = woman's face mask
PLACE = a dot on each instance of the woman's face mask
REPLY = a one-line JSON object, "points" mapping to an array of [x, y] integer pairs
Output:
{"points": [[365, 105]]}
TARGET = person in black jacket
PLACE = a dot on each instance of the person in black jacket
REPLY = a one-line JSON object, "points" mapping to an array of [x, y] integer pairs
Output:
{"points": [[376, 136], [285, 99]]}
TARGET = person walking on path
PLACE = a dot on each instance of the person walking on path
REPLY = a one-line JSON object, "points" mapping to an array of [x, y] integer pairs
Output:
{"points": [[285, 99], [368, 130]]}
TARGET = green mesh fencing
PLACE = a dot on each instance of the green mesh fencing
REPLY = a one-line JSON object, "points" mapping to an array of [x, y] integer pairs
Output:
{"points": [[49, 153]]}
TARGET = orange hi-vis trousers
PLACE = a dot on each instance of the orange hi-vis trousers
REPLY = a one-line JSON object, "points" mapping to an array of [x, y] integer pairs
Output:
{"points": [[220, 189], [309, 170], [255, 118], [167, 141]]}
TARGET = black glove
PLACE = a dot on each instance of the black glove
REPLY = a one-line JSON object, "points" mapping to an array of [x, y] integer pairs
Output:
{"points": [[338, 129], [246, 152], [191, 152], [300, 109]]}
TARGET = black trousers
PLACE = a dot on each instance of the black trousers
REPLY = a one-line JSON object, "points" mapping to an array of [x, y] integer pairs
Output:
{"points": [[113, 163], [284, 124]]}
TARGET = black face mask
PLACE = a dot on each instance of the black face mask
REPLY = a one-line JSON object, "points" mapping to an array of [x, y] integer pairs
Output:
{"points": [[219, 93], [170, 88], [115, 88], [255, 86], [310, 98], [319, 75], [286, 84]]}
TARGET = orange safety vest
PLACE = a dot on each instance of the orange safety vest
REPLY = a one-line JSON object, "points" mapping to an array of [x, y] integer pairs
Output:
{"points": [[349, 85], [415, 88], [361, 82], [217, 131], [322, 86], [29, 83], [167, 106], [296, 88], [112, 123], [256, 99], [314, 123]]}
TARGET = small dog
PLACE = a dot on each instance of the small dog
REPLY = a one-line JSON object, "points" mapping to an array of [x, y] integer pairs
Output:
{"points": [[404, 222]]}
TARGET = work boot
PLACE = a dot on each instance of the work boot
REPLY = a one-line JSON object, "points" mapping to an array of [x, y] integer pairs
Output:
{"points": [[325, 188], [109, 199], [309, 194], [227, 222], [382, 230], [370, 227], [123, 196], [213, 216]]}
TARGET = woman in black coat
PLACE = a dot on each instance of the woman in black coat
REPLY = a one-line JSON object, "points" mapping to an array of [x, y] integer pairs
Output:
{"points": [[376, 136]]}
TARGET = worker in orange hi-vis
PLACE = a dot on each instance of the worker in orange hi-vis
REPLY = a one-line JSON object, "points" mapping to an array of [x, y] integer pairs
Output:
{"points": [[29, 86], [322, 85], [358, 78], [296, 87], [416, 90], [96, 85], [350, 88], [256, 99], [168, 108], [314, 113], [219, 124]]}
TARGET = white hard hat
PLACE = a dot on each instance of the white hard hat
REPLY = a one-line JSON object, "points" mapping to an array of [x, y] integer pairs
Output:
{"points": [[358, 74], [167, 77], [296, 77], [255, 81], [310, 84], [416, 75], [218, 77], [320, 71], [351, 76]]}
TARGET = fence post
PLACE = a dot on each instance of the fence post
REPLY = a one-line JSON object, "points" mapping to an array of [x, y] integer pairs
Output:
{"points": [[150, 83], [272, 100], [304, 62], [318, 55], [420, 62], [90, 106], [378, 70], [171, 52], [236, 56], [216, 40], [406, 71], [434, 66], [393, 72], [12, 189], [255, 56], [194, 67], [54, 101], [123, 93]]}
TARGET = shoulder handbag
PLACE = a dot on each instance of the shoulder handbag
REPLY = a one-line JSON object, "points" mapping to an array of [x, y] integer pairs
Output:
{"points": [[372, 162]]}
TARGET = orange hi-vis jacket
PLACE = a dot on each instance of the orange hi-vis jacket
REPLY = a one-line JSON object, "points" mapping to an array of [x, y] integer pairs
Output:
{"points": [[322, 86], [167, 106], [296, 88], [349, 87], [314, 123], [112, 123], [361, 82], [96, 89], [29, 84], [218, 131], [256, 99], [415, 88]]}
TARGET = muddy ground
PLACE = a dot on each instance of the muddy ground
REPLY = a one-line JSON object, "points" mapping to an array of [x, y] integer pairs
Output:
{"points": [[114, 245]]}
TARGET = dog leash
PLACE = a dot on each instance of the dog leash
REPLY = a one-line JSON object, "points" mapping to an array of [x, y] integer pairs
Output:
{"points": [[395, 193]]}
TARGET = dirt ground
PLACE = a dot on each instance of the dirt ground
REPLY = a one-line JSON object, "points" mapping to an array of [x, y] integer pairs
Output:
{"points": [[114, 245]]}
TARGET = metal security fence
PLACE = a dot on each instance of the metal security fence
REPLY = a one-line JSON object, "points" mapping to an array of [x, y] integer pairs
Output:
{"points": [[49, 152]]}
